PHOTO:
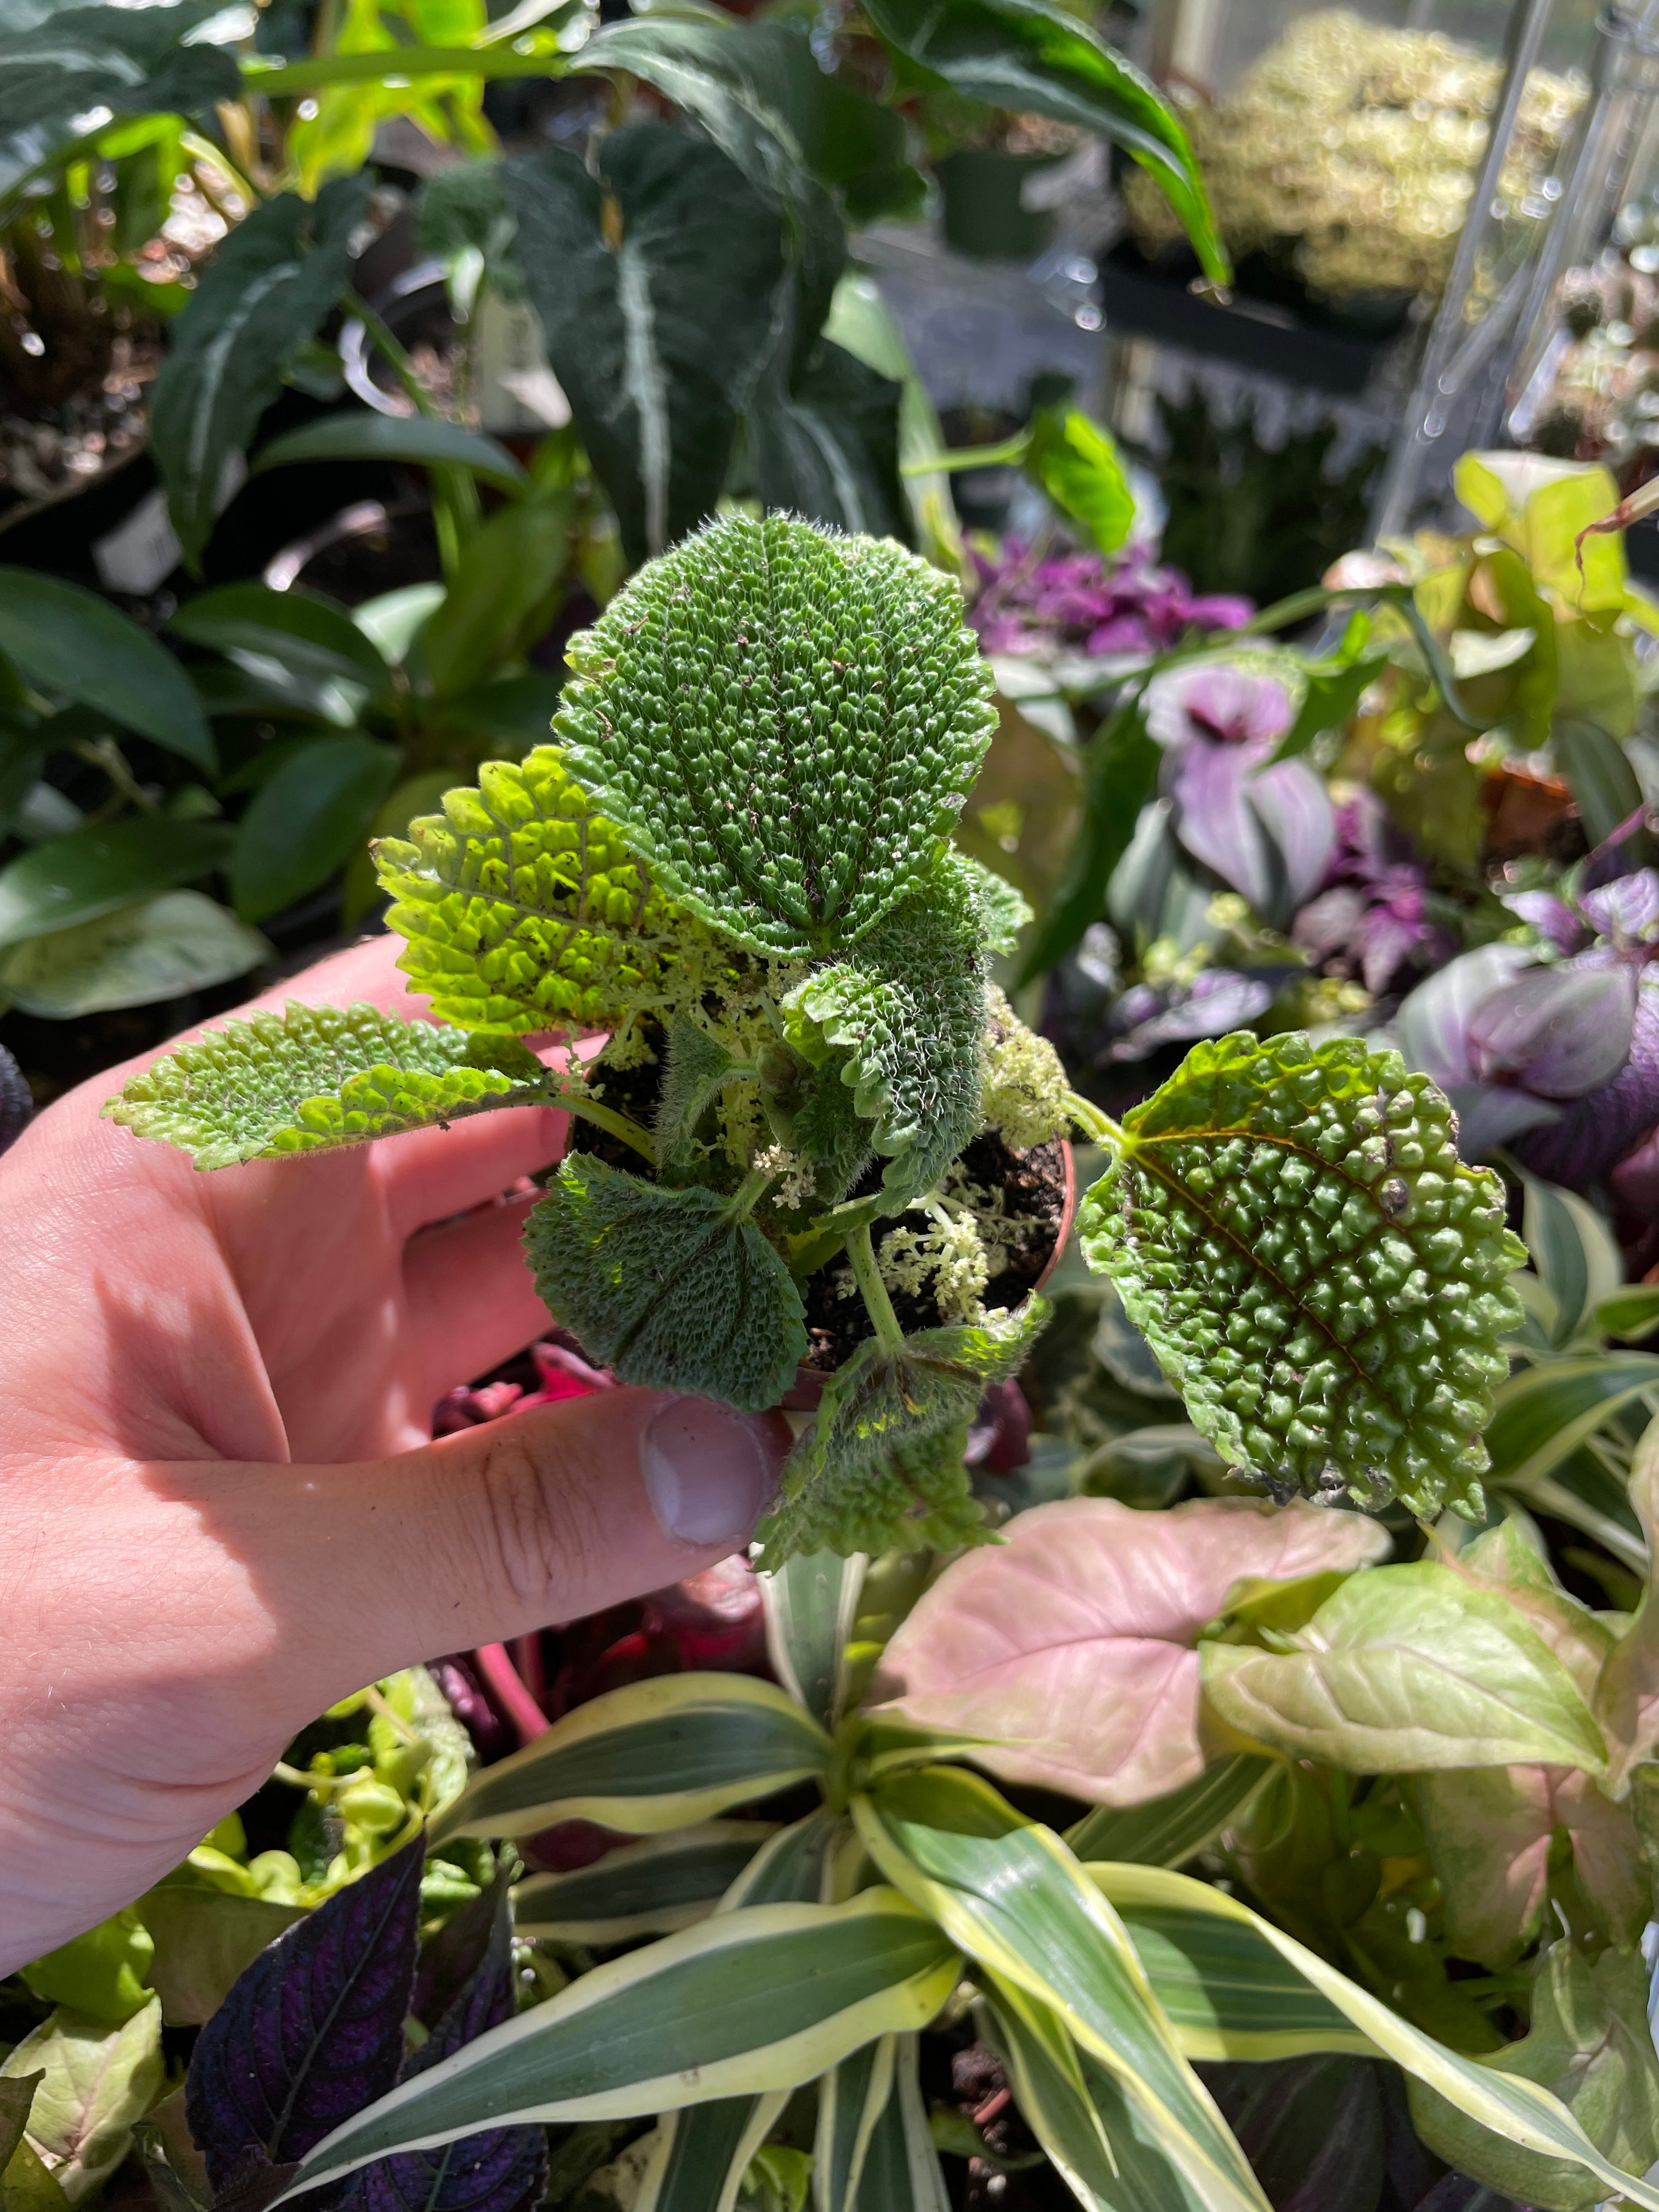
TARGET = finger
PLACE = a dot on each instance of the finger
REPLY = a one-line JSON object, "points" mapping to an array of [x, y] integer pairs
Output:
{"points": [[472, 1299], [431, 1174], [366, 974], [541, 1517]]}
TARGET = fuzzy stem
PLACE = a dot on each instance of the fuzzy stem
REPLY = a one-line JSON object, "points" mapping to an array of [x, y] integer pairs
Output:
{"points": [[1093, 1123], [866, 1273], [750, 1192], [604, 1117]]}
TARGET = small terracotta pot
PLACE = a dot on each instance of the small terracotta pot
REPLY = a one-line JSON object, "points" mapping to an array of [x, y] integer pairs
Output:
{"points": [[809, 1383]]}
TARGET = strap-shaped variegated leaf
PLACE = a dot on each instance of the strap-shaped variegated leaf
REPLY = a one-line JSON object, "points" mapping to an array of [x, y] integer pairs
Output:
{"points": [[881, 1465], [744, 2003], [525, 909], [851, 2099], [1291, 1228], [653, 1887], [702, 2152], [654, 1756], [1228, 1993], [793, 1869], [1166, 1830], [784, 723], [810, 1605], [313, 1076], [675, 1290], [1009, 1892], [1546, 1412], [1512, 2106], [901, 2166]]}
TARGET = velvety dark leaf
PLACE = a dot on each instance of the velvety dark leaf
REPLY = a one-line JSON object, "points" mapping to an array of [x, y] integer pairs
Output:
{"points": [[825, 444], [312, 2031], [261, 298]]}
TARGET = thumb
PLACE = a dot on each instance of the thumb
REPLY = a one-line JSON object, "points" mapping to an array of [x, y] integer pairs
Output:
{"points": [[501, 1530]]}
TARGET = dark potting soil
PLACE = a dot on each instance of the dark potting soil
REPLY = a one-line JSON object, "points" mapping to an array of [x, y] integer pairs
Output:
{"points": [[1033, 1187]]}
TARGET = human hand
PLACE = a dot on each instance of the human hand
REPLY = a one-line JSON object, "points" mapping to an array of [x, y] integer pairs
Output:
{"points": [[219, 1509]]}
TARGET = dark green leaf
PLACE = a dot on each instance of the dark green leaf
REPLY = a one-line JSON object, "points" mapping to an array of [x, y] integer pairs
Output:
{"points": [[1599, 774], [1631, 1314], [74, 644], [674, 1289], [15, 2097], [424, 441], [314, 639], [261, 296], [648, 1888], [825, 444], [1120, 774], [511, 568], [515, 710], [653, 283], [1035, 56], [1077, 464], [1334, 689], [305, 820], [94, 870]]}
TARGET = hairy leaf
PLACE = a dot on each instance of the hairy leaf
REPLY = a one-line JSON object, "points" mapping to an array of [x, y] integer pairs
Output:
{"points": [[1404, 1670], [673, 1288], [76, 644], [784, 724], [653, 281], [98, 2081], [524, 910], [1074, 1645], [314, 2029], [311, 1077], [906, 1009], [1291, 1228], [262, 295], [881, 1464]]}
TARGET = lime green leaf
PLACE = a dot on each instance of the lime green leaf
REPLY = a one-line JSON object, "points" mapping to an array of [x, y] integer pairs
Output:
{"points": [[1011, 1895], [1291, 1228], [102, 1973], [1546, 1412], [852, 2098], [1077, 464], [182, 941], [674, 1289], [784, 724], [1034, 56], [94, 870], [310, 1077], [15, 2098], [73, 644], [426, 441], [204, 1938], [746, 2003], [907, 1008], [658, 1755], [27, 2185], [1403, 1669], [653, 1887], [881, 1464], [1166, 1832], [810, 1604], [99, 2082], [524, 909], [1508, 2106], [1591, 2046], [702, 2152]]}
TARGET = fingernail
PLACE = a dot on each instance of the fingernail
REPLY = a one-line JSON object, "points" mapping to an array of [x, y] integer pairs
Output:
{"points": [[709, 1471]]}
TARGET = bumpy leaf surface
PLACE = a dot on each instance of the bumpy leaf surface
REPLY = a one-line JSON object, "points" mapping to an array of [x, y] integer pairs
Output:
{"points": [[1316, 1270], [525, 909], [881, 1464], [671, 1288], [312, 1077], [784, 723], [907, 1008]]}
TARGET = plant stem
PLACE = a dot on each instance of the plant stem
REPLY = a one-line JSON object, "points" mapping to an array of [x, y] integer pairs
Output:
{"points": [[105, 754], [750, 1192], [1090, 1119], [456, 509], [866, 1273], [604, 1117], [1010, 451]]}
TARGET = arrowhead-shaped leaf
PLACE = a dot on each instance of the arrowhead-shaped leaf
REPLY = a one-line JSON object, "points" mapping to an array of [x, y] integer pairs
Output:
{"points": [[1291, 1228], [825, 443]]}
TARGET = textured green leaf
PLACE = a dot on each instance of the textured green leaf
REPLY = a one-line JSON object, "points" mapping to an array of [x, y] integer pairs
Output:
{"points": [[1078, 466], [1291, 1228], [748, 2001], [71, 642], [659, 1755], [312, 639], [653, 283], [524, 910], [1403, 1669], [674, 1289], [1036, 56], [309, 1077], [649, 1889], [160, 949], [907, 1008], [783, 724], [881, 1465], [94, 870], [263, 295], [426, 441], [1167, 1831], [306, 820]]}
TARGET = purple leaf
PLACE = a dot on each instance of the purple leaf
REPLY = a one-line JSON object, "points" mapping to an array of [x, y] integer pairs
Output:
{"points": [[1627, 908], [496, 2170], [1386, 941], [1331, 923], [1217, 1001], [1591, 1136], [1295, 809], [1557, 1032], [313, 2030], [1434, 1022], [1219, 704], [1552, 917], [1214, 819]]}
